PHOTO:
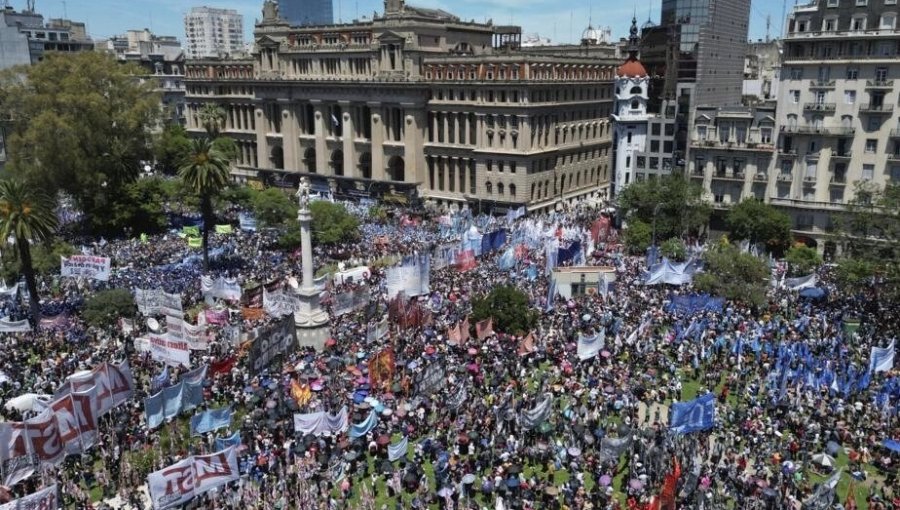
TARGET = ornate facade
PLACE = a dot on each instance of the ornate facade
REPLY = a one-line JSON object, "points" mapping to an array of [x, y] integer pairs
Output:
{"points": [[414, 102]]}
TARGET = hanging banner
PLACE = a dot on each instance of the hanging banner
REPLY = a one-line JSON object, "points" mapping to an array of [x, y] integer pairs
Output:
{"points": [[85, 266], [76, 421], [210, 420], [274, 340], [10, 326], [44, 499], [431, 380], [25, 446], [381, 368], [179, 330], [223, 288], [193, 476], [171, 352]]}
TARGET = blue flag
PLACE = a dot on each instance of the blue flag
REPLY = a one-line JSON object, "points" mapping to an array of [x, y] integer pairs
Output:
{"points": [[693, 415], [172, 400], [551, 295], [225, 442], [153, 410], [160, 381], [210, 420]]}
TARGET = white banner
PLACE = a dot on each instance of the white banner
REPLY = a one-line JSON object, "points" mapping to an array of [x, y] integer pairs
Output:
{"points": [[44, 499], [223, 288], [9, 326], [180, 482], [156, 301], [279, 303], [25, 446], [170, 352], [179, 330], [76, 420], [114, 385], [85, 266]]}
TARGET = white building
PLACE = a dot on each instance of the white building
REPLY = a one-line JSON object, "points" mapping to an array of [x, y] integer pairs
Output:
{"points": [[211, 32], [630, 114]]}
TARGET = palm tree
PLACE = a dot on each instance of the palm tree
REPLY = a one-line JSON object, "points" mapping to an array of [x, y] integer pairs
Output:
{"points": [[205, 171], [26, 216], [211, 117]]}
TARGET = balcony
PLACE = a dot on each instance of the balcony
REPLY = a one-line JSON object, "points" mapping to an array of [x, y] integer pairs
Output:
{"points": [[821, 84], [790, 202], [732, 146], [789, 152], [880, 84], [876, 109], [809, 180], [761, 177], [893, 156], [729, 176], [841, 155], [785, 177], [819, 107], [838, 180], [895, 133], [820, 130]]}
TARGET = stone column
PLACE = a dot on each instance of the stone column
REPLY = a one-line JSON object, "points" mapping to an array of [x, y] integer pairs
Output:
{"points": [[347, 136], [310, 321], [414, 150], [262, 143], [377, 142], [321, 147], [290, 138]]}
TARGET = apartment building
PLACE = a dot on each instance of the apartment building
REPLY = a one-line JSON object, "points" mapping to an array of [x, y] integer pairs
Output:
{"points": [[212, 32], [414, 103]]}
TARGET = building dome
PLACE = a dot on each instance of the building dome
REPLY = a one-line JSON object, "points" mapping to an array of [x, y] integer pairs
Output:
{"points": [[632, 68], [597, 35]]}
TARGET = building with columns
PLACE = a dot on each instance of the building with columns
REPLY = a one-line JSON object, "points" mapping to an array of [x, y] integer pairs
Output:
{"points": [[414, 103]]}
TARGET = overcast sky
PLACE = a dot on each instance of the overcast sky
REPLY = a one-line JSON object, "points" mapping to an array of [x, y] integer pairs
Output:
{"points": [[165, 17]]}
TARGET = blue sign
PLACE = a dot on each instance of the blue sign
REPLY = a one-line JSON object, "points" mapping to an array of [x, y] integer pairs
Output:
{"points": [[693, 415], [207, 421]]}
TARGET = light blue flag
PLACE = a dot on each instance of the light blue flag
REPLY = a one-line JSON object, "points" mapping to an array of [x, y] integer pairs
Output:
{"points": [[172, 400], [160, 381], [192, 395], [361, 429], [399, 450], [210, 420], [882, 358], [153, 410], [508, 260], [196, 375], [551, 296], [226, 442], [693, 415]]}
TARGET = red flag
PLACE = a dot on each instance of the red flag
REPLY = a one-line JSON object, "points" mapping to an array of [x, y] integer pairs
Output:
{"points": [[484, 328], [464, 330], [850, 503], [465, 260], [223, 366], [667, 495], [454, 336], [381, 368], [526, 346]]}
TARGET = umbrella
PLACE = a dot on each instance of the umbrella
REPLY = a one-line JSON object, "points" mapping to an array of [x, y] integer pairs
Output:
{"points": [[386, 412], [387, 467], [823, 459], [27, 402], [636, 484], [575, 452], [551, 491], [316, 386], [351, 455], [512, 482], [331, 342], [469, 479], [605, 480], [383, 440], [605, 354]]}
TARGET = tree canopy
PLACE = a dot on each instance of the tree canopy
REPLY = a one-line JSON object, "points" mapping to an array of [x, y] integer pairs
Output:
{"points": [[734, 275], [273, 207], [205, 170], [677, 203], [510, 309], [759, 222], [331, 223], [802, 260], [78, 123], [107, 306]]}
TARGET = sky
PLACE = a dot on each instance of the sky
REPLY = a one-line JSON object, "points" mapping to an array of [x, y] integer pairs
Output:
{"points": [[105, 18]]}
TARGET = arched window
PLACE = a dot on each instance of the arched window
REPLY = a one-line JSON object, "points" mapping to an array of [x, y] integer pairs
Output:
{"points": [[512, 190], [635, 104], [488, 187], [636, 90], [532, 190], [499, 188]]}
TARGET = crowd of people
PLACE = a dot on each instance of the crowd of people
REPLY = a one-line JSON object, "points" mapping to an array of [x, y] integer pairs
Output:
{"points": [[790, 381]]}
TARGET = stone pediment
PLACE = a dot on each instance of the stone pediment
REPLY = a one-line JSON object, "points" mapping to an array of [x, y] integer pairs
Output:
{"points": [[390, 37], [267, 42]]}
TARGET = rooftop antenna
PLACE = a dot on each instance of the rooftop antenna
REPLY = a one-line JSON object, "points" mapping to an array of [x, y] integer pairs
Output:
{"points": [[571, 26], [768, 25], [65, 10], [30, 5]]}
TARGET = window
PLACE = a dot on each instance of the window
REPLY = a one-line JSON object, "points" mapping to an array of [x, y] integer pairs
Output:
{"points": [[874, 123], [701, 132], [849, 96], [500, 188], [895, 174], [868, 171], [887, 21], [786, 167], [833, 3], [852, 73], [871, 146], [811, 169], [881, 73], [830, 25], [765, 135], [654, 145], [654, 129], [488, 187], [859, 22], [796, 73], [641, 162], [795, 96], [670, 129], [628, 136]]}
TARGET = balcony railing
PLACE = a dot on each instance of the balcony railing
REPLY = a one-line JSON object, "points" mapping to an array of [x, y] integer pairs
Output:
{"points": [[791, 202], [785, 177], [716, 144], [820, 130], [819, 107], [876, 108], [817, 58], [842, 155], [879, 84], [892, 156], [821, 84], [838, 180], [761, 177], [895, 133]]}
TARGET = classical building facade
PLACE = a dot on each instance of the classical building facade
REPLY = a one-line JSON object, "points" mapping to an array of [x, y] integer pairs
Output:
{"points": [[414, 102]]}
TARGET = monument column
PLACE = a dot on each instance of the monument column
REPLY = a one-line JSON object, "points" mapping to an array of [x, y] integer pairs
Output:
{"points": [[310, 320]]}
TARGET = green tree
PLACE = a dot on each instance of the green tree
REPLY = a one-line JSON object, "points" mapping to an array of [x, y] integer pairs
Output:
{"points": [[212, 116], [169, 147], [675, 202], [734, 275], [78, 123], [759, 222], [26, 216], [206, 171], [142, 207], [331, 223], [854, 274], [44, 259], [802, 259], [238, 195], [674, 249], [272, 207], [104, 308], [637, 237], [510, 309]]}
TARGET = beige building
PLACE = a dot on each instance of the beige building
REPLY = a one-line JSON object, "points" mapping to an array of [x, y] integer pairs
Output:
{"points": [[416, 103]]}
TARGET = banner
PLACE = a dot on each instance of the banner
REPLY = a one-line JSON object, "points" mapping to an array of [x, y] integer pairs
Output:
{"points": [[44, 499], [484, 328], [85, 266], [10, 326], [224, 229], [412, 278], [156, 301], [210, 420], [611, 448], [800, 283], [493, 241], [361, 429], [247, 222], [381, 368], [399, 450], [60, 321], [179, 330], [170, 352], [526, 346], [274, 340], [881, 359], [25, 446], [693, 415], [191, 231], [222, 443], [534, 417], [279, 303], [114, 385], [321, 422], [350, 301], [75, 420], [431, 380], [588, 347], [180, 482], [690, 304], [376, 332], [301, 393], [223, 288], [465, 260], [217, 317]]}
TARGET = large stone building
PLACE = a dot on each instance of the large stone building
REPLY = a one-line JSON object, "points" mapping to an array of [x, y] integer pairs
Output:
{"points": [[415, 102], [212, 32]]}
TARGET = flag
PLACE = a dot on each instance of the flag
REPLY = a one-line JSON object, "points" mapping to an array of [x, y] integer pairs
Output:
{"points": [[301, 393], [850, 503], [465, 260], [693, 415], [464, 329], [454, 337], [144, 238], [195, 242], [551, 295], [484, 328], [223, 229], [526, 346], [335, 121], [882, 358], [667, 495]]}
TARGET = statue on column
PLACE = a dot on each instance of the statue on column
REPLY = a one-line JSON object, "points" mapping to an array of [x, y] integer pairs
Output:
{"points": [[303, 194]]}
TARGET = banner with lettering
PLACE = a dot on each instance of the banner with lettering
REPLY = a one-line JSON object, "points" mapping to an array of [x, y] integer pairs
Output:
{"points": [[25, 446], [85, 266], [114, 385], [223, 288], [156, 301], [44, 499], [179, 330], [170, 352], [180, 482], [274, 340], [76, 420]]}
